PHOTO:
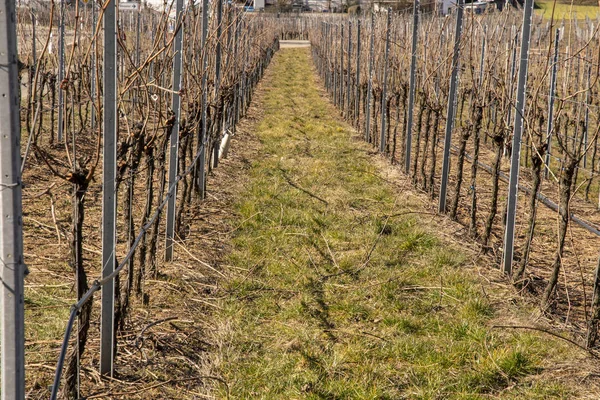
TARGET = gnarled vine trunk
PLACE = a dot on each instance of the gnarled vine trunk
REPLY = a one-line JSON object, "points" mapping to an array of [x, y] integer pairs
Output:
{"points": [[80, 186]]}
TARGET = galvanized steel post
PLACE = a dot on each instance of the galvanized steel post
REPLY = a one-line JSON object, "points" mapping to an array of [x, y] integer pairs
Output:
{"points": [[357, 94], [93, 60], [370, 82], [412, 86], [341, 80], [511, 77], [174, 139], [451, 107], [349, 69], [109, 196], [218, 127], [513, 183], [586, 118], [334, 72], [11, 217], [550, 125], [482, 62], [61, 70], [201, 167], [385, 78]]}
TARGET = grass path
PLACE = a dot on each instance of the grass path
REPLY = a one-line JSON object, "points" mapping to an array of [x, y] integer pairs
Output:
{"points": [[339, 293], [566, 10]]}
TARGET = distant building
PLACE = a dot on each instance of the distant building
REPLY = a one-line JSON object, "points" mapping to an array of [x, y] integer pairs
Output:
{"points": [[259, 5], [475, 7], [323, 5], [396, 5], [445, 5]]}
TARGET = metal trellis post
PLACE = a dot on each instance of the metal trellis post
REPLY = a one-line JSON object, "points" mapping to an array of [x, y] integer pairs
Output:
{"points": [[349, 69], [61, 70], [218, 127], [370, 83], [357, 95], [202, 135], [93, 61], [587, 117], [109, 197], [550, 125], [412, 84], [341, 79], [33, 41], [451, 107], [511, 209], [174, 139], [334, 71], [236, 72], [11, 217], [511, 77], [137, 51], [385, 78], [482, 61]]}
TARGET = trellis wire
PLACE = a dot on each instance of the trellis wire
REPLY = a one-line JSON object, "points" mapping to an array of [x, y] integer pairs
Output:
{"points": [[489, 87], [121, 99]]}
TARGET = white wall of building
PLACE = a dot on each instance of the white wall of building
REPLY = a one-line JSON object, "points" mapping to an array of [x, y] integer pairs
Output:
{"points": [[446, 4]]}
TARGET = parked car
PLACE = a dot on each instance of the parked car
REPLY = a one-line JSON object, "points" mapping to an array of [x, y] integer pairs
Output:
{"points": [[249, 8]]}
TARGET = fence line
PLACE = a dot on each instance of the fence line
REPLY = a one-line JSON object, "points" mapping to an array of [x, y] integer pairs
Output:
{"points": [[120, 75], [216, 90], [481, 126]]}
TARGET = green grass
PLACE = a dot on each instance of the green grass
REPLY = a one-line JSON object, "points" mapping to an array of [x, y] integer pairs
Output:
{"points": [[50, 315], [336, 300], [564, 10]]}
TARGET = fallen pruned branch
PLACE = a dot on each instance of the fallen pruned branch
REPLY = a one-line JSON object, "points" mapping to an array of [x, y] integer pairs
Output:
{"points": [[549, 332]]}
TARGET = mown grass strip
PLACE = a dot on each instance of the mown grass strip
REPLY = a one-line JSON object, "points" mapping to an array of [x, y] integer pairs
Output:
{"points": [[342, 293], [566, 10]]}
